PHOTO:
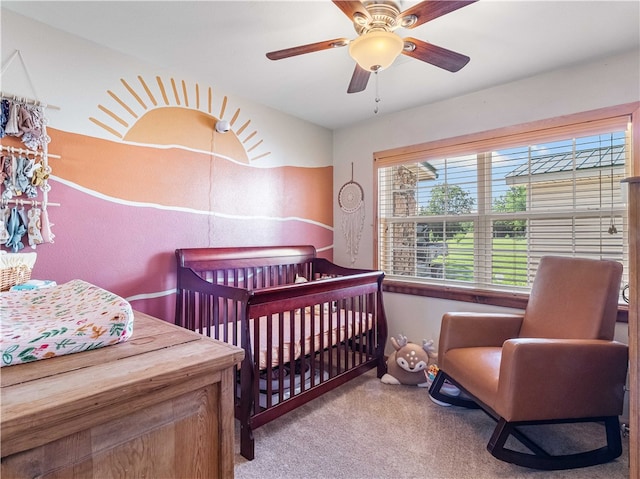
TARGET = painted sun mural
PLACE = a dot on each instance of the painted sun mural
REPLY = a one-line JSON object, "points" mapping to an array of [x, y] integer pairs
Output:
{"points": [[157, 125], [159, 178]]}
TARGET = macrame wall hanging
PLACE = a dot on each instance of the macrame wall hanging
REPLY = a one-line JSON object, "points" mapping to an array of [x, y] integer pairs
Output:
{"points": [[351, 201]]}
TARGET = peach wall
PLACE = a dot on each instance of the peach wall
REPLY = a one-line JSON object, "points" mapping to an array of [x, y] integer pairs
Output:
{"points": [[126, 208]]}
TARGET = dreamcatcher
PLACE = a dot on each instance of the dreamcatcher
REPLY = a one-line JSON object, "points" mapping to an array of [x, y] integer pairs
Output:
{"points": [[351, 201]]}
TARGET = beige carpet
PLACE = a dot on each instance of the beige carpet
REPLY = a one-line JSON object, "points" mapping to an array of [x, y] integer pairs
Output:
{"points": [[366, 429]]}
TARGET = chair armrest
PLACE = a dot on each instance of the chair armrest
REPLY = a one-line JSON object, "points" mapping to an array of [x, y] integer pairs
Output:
{"points": [[561, 378], [466, 330]]}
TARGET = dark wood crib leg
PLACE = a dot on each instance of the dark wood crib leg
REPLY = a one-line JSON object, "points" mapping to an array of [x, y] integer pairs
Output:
{"points": [[247, 443], [245, 398], [382, 366], [379, 352]]}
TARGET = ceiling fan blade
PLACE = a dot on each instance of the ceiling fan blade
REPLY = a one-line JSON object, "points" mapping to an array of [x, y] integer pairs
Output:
{"points": [[359, 80], [312, 47], [429, 10], [438, 56], [351, 8]]}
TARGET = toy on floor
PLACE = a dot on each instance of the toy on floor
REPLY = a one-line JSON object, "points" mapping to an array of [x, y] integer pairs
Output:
{"points": [[407, 364], [446, 388]]}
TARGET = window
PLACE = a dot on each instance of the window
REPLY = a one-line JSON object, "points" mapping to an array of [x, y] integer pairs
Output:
{"points": [[482, 213]]}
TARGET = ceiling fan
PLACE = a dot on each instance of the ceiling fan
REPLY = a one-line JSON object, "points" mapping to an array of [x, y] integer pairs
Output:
{"points": [[377, 45]]}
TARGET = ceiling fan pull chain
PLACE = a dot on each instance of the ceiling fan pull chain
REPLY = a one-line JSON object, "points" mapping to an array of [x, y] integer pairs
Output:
{"points": [[375, 110]]}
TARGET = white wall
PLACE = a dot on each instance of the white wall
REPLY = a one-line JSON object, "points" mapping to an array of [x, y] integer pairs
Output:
{"points": [[75, 75], [607, 82]]}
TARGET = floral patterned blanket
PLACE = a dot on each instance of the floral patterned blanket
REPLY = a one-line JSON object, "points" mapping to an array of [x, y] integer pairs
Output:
{"points": [[69, 318]]}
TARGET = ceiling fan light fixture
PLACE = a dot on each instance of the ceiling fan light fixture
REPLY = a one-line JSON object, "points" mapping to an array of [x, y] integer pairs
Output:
{"points": [[376, 50]]}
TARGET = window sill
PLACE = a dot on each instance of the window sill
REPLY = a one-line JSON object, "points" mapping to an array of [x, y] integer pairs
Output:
{"points": [[472, 295]]}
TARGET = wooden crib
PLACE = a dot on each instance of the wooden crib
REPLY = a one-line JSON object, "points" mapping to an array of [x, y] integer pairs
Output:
{"points": [[306, 325]]}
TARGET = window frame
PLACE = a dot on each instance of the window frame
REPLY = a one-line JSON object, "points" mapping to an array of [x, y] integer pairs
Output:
{"points": [[584, 123]]}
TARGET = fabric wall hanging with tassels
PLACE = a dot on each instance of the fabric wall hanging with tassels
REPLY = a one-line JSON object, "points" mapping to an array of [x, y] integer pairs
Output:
{"points": [[24, 172]]}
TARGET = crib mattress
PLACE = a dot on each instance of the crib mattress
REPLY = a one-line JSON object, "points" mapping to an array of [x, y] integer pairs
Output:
{"points": [[335, 326], [68, 318]]}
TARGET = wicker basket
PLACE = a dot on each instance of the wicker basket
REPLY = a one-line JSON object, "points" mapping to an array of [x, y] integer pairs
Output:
{"points": [[14, 275], [15, 269]]}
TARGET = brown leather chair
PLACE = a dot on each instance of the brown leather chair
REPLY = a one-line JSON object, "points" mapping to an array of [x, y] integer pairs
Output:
{"points": [[556, 363]]}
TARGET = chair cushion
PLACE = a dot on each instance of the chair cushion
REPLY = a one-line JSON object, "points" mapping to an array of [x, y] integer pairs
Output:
{"points": [[476, 369], [573, 298]]}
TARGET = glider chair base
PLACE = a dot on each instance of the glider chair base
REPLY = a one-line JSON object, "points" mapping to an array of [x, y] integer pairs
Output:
{"points": [[540, 459]]}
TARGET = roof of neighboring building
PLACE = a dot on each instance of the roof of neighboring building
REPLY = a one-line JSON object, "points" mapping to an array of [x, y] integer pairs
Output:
{"points": [[584, 159]]}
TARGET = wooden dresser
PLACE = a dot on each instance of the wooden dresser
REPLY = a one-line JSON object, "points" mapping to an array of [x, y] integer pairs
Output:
{"points": [[157, 406]]}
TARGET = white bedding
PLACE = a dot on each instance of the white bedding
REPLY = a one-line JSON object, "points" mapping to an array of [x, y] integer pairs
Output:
{"points": [[336, 326]]}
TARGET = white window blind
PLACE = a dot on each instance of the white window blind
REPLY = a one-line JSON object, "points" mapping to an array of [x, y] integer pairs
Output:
{"points": [[485, 214]]}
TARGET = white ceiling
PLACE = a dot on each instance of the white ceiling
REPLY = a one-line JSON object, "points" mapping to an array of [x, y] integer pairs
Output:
{"points": [[225, 43]]}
